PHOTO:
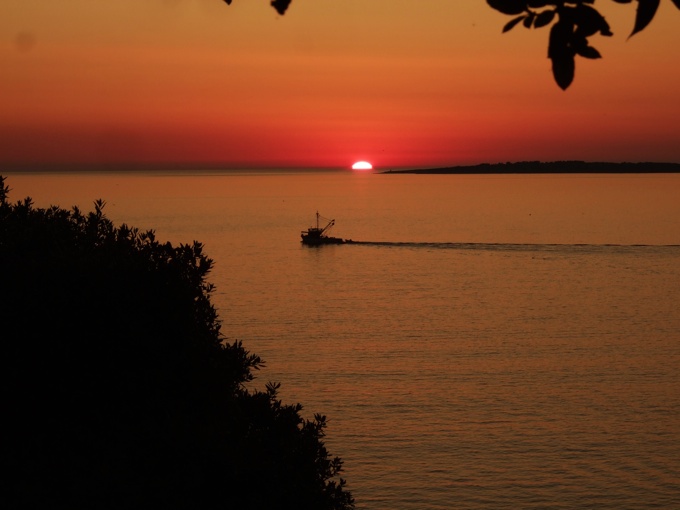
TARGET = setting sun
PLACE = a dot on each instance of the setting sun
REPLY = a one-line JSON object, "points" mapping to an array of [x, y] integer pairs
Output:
{"points": [[362, 165]]}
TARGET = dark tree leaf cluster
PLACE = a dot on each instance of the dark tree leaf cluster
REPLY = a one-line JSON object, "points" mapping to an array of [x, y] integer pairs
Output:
{"points": [[573, 23], [119, 390]]}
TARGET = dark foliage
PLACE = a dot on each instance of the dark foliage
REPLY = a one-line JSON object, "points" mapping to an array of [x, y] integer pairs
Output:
{"points": [[573, 22], [119, 390]]}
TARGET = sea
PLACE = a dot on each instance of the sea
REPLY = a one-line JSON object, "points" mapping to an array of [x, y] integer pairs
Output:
{"points": [[491, 342]]}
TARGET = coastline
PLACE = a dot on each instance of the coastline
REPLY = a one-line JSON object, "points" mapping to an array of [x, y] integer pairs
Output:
{"points": [[554, 167]]}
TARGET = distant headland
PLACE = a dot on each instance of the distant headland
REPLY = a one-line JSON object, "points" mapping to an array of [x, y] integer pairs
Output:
{"points": [[554, 167]]}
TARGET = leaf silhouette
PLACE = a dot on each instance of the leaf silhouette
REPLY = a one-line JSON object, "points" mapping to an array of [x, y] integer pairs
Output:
{"points": [[508, 6], [563, 71], [561, 53], [511, 24], [588, 52], [591, 21], [281, 6], [645, 13], [545, 18]]}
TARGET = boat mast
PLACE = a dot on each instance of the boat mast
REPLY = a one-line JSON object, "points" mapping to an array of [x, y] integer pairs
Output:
{"points": [[319, 229]]}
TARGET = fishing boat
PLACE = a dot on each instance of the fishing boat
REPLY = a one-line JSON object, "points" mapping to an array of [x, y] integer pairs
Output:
{"points": [[318, 235]]}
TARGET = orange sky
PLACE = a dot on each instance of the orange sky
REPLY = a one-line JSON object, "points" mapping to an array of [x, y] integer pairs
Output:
{"points": [[400, 83]]}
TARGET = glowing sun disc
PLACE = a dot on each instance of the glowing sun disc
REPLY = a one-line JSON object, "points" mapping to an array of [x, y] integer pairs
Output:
{"points": [[362, 165]]}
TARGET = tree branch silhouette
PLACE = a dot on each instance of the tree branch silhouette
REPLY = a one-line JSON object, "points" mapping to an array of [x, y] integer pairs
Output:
{"points": [[573, 23]]}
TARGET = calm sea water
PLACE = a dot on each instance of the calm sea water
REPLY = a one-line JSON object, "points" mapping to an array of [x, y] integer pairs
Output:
{"points": [[498, 342]]}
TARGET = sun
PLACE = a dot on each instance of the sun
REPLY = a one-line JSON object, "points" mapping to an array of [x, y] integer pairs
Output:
{"points": [[362, 165]]}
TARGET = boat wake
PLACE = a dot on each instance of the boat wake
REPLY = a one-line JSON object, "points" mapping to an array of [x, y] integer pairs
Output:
{"points": [[522, 247]]}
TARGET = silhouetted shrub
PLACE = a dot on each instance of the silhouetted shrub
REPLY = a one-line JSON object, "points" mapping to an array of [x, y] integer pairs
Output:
{"points": [[119, 390]]}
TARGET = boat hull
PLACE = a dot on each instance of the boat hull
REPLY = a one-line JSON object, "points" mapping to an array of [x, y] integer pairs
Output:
{"points": [[320, 241]]}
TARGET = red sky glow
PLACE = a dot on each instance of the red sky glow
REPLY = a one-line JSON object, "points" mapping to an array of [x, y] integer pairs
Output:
{"points": [[412, 84]]}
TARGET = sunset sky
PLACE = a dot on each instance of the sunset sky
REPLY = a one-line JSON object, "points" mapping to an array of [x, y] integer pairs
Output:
{"points": [[399, 83]]}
